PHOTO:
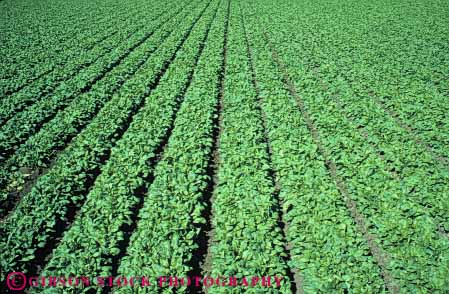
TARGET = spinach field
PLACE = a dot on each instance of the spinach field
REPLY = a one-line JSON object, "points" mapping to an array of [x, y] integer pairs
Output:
{"points": [[302, 139]]}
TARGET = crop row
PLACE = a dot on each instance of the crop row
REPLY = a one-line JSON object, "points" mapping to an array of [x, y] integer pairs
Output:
{"points": [[326, 248], [246, 238], [79, 74], [98, 231], [54, 135], [402, 226], [172, 216], [33, 223]]}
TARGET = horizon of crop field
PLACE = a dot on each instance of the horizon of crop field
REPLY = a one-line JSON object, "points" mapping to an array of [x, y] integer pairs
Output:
{"points": [[224, 146]]}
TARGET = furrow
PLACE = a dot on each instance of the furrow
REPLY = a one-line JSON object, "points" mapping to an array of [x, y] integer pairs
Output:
{"points": [[294, 275], [214, 163], [247, 241]]}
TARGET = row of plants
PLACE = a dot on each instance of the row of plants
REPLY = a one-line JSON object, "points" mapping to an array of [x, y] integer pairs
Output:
{"points": [[40, 52], [99, 228], [29, 227], [165, 242], [39, 149], [326, 248], [403, 228], [246, 238], [81, 72]]}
